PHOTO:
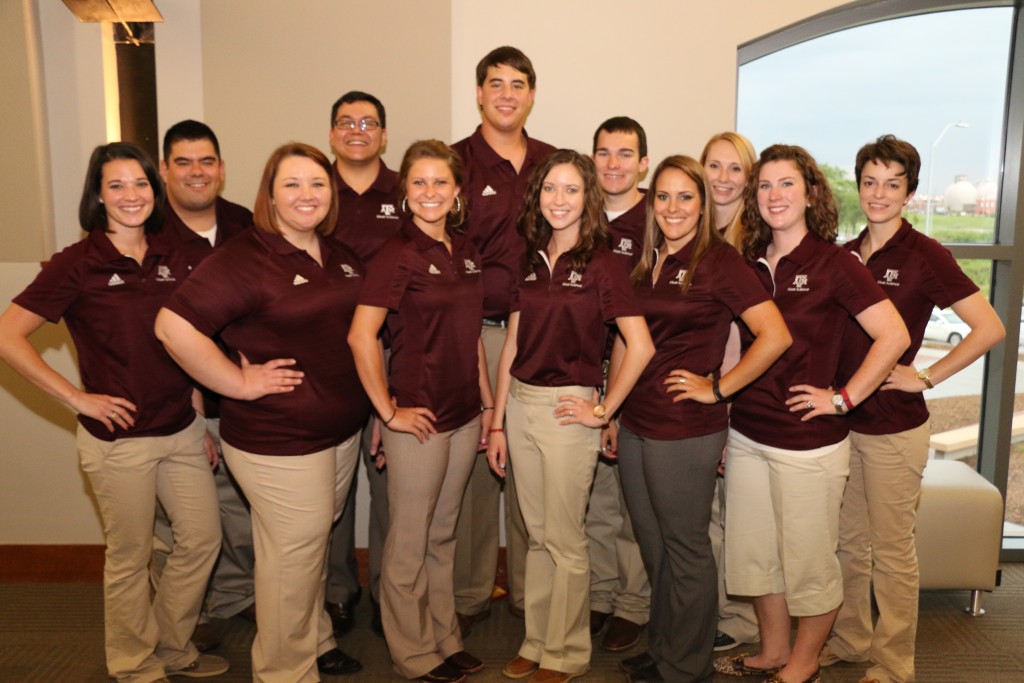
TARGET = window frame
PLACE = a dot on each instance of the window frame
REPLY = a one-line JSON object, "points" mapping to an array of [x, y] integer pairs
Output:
{"points": [[1006, 252]]}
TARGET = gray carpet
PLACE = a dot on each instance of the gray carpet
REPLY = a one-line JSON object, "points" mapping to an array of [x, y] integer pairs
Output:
{"points": [[53, 633]]}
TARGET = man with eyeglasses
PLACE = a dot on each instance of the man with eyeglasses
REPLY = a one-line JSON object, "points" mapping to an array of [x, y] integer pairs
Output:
{"points": [[498, 159], [367, 217]]}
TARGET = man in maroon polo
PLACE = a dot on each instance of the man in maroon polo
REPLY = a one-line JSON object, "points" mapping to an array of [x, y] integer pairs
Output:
{"points": [[620, 595], [367, 217], [197, 221], [498, 158]]}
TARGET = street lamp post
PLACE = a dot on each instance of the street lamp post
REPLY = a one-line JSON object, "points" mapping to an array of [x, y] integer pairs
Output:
{"points": [[931, 167]]}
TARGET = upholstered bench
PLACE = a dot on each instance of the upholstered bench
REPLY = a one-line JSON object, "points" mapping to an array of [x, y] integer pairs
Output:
{"points": [[959, 530]]}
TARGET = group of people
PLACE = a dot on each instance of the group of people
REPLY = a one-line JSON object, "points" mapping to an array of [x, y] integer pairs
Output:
{"points": [[502, 314]]}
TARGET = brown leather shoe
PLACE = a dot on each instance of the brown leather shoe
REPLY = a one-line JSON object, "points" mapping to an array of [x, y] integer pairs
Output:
{"points": [[520, 667], [597, 621], [622, 634], [552, 676], [205, 638]]}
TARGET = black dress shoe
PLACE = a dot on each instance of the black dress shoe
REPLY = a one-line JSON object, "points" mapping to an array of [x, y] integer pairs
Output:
{"points": [[464, 662], [648, 674], [337, 663], [376, 623], [343, 617], [443, 673], [637, 663], [597, 621]]}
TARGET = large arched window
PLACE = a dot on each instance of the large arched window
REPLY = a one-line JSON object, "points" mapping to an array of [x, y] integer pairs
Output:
{"points": [[948, 77]]}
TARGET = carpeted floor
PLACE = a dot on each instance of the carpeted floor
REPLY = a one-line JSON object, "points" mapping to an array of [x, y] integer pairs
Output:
{"points": [[53, 633]]}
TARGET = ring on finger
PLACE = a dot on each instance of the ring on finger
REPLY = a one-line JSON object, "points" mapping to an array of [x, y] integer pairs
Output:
{"points": [[810, 405], [682, 380], [112, 415]]}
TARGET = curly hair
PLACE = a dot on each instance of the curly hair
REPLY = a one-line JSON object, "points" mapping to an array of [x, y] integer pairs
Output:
{"points": [[734, 232], [706, 235], [435, 149], [822, 215], [593, 223]]}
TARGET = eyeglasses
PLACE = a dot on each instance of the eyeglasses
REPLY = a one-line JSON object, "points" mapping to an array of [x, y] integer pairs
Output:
{"points": [[351, 124]]}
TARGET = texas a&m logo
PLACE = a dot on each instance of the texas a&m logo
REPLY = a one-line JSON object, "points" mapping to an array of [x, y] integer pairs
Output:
{"points": [[625, 247], [574, 279], [891, 277], [799, 284], [387, 211], [470, 267]]}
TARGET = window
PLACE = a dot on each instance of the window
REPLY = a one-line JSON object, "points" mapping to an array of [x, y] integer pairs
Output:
{"points": [[944, 80]]}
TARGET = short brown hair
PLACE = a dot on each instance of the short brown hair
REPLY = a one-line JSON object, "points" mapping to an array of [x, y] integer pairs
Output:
{"points": [[822, 215], [509, 56], [887, 149], [264, 214], [434, 149]]}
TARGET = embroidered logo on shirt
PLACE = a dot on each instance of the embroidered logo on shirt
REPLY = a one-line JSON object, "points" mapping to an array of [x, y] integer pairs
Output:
{"points": [[625, 247], [349, 270], [678, 280], [800, 284], [488, 192], [532, 277], [387, 210], [891, 278], [115, 280], [574, 279], [433, 270], [163, 274], [299, 280], [470, 267]]}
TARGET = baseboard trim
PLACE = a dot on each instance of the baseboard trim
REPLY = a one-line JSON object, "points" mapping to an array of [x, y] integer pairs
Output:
{"points": [[51, 563]]}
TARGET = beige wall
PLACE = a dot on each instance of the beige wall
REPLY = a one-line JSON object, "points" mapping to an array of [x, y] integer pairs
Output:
{"points": [[263, 72]]}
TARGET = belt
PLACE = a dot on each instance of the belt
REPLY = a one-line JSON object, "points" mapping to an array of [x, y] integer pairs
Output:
{"points": [[496, 322]]}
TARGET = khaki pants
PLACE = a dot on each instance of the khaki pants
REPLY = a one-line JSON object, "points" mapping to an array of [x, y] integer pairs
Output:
{"points": [[555, 464], [735, 614], [618, 581], [425, 486], [783, 525], [876, 549], [231, 584], [295, 500], [128, 476], [476, 554]]}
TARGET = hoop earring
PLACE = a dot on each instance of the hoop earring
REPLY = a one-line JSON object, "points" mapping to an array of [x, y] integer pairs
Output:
{"points": [[405, 206], [457, 206]]}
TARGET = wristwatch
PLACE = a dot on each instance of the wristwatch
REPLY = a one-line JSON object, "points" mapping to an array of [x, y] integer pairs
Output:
{"points": [[599, 412], [925, 376], [839, 403]]}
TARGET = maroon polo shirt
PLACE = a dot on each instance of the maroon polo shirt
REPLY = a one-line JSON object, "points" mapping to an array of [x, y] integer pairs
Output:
{"points": [[232, 219], [689, 332], [918, 274], [627, 233], [267, 299], [817, 287], [435, 302], [563, 315], [109, 303], [367, 220], [495, 194]]}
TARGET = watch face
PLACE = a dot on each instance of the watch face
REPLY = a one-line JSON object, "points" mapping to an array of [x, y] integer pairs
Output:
{"points": [[599, 410], [837, 399]]}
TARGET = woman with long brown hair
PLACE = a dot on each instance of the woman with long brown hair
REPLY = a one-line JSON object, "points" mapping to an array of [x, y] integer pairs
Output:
{"points": [[548, 379]]}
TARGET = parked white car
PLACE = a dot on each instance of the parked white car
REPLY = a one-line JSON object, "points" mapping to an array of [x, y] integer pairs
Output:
{"points": [[946, 326]]}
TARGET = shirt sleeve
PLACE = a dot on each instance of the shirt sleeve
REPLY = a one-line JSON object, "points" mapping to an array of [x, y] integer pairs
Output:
{"points": [[738, 288], [56, 288], [942, 279], [387, 277], [616, 292], [855, 287]]}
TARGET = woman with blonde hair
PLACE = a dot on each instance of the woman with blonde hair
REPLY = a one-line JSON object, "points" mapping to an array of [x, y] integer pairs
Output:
{"points": [[728, 158], [433, 401], [691, 285]]}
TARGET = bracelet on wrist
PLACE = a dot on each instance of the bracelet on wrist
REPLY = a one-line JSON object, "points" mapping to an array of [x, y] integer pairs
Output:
{"points": [[496, 431], [483, 408], [387, 421], [846, 398], [717, 391]]}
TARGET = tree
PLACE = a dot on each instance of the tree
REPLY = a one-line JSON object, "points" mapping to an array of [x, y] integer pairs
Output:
{"points": [[844, 188]]}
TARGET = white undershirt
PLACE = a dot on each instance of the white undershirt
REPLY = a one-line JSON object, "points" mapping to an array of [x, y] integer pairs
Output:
{"points": [[210, 235]]}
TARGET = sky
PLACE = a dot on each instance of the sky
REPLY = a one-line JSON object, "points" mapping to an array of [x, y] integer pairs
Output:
{"points": [[910, 77]]}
